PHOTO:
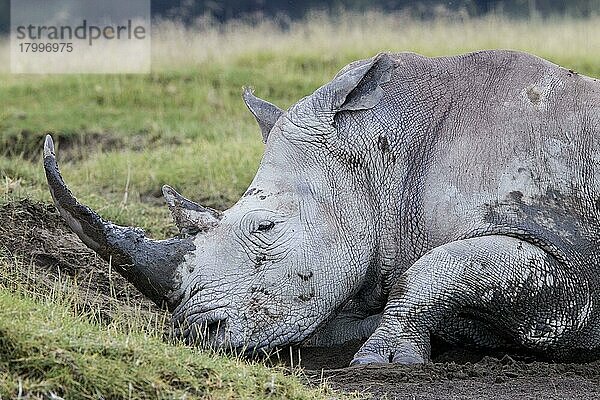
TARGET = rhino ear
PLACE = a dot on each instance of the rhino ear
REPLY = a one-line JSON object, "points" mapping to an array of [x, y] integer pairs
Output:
{"points": [[189, 217], [359, 88], [266, 114]]}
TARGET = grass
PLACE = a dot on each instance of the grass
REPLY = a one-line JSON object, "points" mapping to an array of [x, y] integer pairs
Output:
{"points": [[120, 137], [48, 350]]}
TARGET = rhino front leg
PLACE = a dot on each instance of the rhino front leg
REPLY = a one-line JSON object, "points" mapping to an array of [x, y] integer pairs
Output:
{"points": [[516, 287]]}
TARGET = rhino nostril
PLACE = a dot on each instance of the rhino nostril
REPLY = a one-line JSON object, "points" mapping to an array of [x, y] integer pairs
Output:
{"points": [[215, 331], [205, 329], [215, 327]]}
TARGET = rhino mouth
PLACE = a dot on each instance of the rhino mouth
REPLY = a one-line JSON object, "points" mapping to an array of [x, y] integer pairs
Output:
{"points": [[217, 330], [207, 328]]}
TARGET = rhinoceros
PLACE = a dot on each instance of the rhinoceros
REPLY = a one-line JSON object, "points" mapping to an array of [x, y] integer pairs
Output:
{"points": [[410, 197]]}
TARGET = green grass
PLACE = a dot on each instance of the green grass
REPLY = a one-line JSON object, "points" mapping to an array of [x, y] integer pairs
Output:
{"points": [[49, 344], [120, 137], [47, 349]]}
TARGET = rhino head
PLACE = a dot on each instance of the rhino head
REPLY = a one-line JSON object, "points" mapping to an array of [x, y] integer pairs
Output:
{"points": [[283, 259]]}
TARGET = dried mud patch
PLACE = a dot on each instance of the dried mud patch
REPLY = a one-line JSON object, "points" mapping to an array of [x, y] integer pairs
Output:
{"points": [[38, 250]]}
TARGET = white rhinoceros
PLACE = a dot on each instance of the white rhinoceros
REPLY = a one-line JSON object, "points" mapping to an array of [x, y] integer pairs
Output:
{"points": [[408, 197]]}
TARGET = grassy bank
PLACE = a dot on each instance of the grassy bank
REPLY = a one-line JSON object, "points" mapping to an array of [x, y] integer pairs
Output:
{"points": [[120, 137], [45, 349]]}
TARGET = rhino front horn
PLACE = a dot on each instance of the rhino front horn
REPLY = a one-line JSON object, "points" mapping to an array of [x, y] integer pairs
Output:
{"points": [[150, 265]]}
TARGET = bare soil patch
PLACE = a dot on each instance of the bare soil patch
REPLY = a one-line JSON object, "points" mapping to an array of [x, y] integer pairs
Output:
{"points": [[41, 251], [78, 146], [28, 144], [35, 234], [451, 376]]}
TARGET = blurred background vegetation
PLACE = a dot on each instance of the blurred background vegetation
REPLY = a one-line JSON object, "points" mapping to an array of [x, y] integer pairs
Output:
{"points": [[225, 10], [192, 11]]}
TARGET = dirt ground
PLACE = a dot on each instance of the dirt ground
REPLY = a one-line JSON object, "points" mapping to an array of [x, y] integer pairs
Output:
{"points": [[34, 234]]}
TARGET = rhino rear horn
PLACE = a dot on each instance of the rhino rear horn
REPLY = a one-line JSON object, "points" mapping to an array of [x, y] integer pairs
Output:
{"points": [[189, 217], [359, 88], [150, 265], [266, 114]]}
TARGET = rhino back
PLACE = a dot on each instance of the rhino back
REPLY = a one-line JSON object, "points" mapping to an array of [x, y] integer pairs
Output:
{"points": [[493, 142], [517, 152]]}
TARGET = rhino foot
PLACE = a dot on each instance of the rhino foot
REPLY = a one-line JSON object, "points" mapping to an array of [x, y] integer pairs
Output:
{"points": [[365, 358], [405, 353], [408, 354]]}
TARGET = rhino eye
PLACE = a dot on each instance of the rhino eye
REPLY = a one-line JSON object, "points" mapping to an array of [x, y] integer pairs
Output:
{"points": [[265, 226]]}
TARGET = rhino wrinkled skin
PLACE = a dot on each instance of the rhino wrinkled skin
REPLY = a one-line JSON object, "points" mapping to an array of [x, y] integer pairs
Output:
{"points": [[408, 197]]}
